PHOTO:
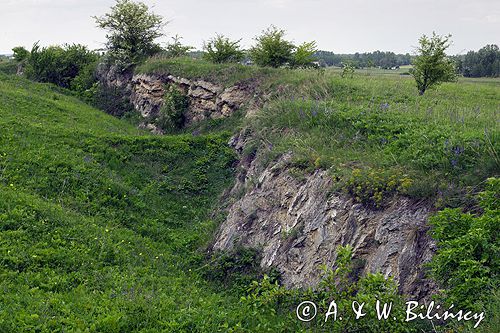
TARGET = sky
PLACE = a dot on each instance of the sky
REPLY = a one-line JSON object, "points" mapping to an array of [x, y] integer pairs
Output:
{"points": [[346, 26]]}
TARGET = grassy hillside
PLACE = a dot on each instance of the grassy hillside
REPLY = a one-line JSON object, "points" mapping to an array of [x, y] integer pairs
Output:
{"points": [[99, 222]]}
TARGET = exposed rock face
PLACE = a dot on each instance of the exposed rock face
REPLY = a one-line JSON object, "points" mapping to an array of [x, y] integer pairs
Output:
{"points": [[147, 91], [298, 224]]}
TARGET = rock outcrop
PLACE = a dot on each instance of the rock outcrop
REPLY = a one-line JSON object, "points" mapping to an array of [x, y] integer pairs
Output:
{"points": [[298, 225], [146, 92]]}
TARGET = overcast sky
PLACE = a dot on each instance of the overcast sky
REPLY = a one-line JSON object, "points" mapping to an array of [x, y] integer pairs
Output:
{"points": [[346, 26]]}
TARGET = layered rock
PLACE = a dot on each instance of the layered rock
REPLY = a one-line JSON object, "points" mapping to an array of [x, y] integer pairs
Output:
{"points": [[298, 225]]}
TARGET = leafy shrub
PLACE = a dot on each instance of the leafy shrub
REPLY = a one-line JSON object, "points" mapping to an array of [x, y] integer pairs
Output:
{"points": [[172, 113], [303, 57], [372, 186], [347, 70], [467, 262], [272, 49], [221, 49], [58, 64]]}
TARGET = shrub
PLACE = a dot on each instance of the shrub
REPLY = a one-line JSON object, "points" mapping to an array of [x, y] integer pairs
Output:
{"points": [[58, 64], [175, 105], [272, 49], [303, 56], [221, 49]]}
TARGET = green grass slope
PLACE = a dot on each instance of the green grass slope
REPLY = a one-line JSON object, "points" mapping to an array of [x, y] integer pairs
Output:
{"points": [[99, 222]]}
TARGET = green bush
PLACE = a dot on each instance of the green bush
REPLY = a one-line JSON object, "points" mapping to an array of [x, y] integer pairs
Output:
{"points": [[221, 49], [303, 57], [272, 49], [172, 113], [59, 65]]}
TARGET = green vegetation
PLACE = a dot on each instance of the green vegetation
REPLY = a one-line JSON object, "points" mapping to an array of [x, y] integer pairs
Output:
{"points": [[226, 74], [468, 264], [132, 30], [483, 63], [221, 49], [103, 227], [446, 142], [64, 65], [431, 66], [100, 223], [175, 105]]}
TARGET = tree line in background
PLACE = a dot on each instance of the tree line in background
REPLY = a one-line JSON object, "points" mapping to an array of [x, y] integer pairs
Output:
{"points": [[364, 60], [483, 63]]}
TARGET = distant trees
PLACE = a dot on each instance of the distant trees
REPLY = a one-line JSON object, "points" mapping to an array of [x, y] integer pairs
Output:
{"points": [[132, 31], [485, 62], [431, 65], [363, 60], [221, 49]]}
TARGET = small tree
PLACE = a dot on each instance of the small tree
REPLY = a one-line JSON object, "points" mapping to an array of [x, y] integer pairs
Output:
{"points": [[176, 48], [272, 49], [221, 49], [303, 56], [132, 31], [431, 66]]}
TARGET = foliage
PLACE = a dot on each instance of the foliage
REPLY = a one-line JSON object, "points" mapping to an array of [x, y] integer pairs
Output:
{"points": [[132, 31], [59, 65], [483, 63], [221, 49], [20, 53], [176, 49], [380, 59], [431, 66], [175, 104], [272, 49], [303, 57], [467, 263]]}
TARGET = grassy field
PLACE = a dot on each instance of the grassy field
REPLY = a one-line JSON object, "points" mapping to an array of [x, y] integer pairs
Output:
{"points": [[103, 226]]}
